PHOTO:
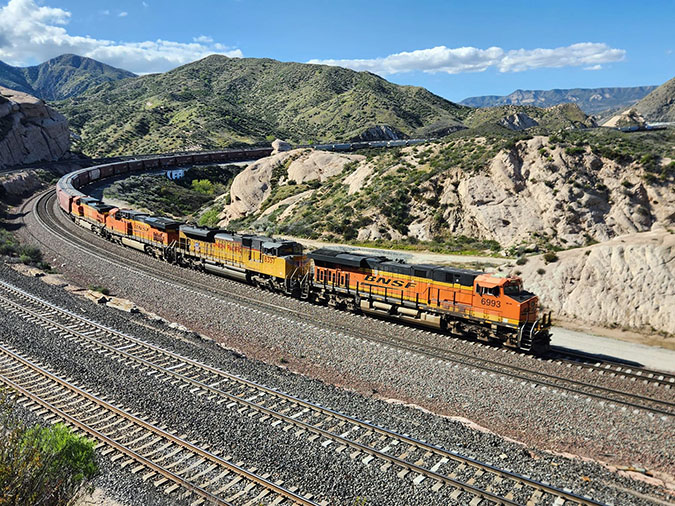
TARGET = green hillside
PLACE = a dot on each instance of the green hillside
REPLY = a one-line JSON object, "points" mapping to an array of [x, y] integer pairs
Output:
{"points": [[61, 77], [219, 102], [563, 116]]}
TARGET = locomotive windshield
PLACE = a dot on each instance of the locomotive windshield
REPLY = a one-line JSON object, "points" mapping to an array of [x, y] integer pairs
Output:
{"points": [[513, 289], [293, 248]]}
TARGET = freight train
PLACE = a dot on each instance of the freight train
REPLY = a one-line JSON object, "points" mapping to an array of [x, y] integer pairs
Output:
{"points": [[463, 302]]}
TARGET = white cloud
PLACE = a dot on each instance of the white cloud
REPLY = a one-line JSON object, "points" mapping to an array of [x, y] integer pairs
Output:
{"points": [[471, 59], [123, 14], [30, 32], [204, 39], [594, 67]]}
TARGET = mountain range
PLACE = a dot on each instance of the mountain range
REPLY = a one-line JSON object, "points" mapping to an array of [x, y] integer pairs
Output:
{"points": [[61, 77], [591, 101], [220, 101]]}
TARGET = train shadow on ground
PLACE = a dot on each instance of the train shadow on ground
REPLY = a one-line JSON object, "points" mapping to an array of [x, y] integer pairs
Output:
{"points": [[595, 357]]}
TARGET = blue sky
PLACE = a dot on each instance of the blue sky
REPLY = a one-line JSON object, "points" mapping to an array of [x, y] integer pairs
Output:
{"points": [[455, 49]]}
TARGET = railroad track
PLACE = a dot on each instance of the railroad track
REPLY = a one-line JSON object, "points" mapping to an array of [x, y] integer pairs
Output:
{"points": [[178, 466], [612, 368], [171, 275], [471, 481]]}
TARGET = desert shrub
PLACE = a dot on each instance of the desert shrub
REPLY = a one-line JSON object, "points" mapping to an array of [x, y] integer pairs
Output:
{"points": [[521, 261], [99, 288], [8, 243], [550, 257], [210, 217], [203, 186], [42, 465], [541, 271], [574, 150], [30, 255]]}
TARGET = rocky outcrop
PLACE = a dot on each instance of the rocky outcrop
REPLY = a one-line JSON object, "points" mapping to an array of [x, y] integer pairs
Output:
{"points": [[279, 146], [540, 190], [518, 121], [627, 118], [30, 131], [254, 184], [19, 184], [379, 133], [627, 281]]}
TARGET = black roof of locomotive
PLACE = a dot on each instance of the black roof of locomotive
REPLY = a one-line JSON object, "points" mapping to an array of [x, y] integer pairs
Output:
{"points": [[202, 233], [130, 214], [160, 222], [96, 204], [356, 259]]}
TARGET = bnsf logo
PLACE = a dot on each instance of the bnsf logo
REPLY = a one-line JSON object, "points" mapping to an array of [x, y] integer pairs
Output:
{"points": [[390, 282]]}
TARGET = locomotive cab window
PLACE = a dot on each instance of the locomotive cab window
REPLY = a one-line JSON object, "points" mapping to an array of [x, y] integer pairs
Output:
{"points": [[513, 289], [483, 290]]}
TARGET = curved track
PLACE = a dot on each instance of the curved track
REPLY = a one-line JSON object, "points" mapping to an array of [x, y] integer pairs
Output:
{"points": [[469, 479], [46, 215], [170, 460]]}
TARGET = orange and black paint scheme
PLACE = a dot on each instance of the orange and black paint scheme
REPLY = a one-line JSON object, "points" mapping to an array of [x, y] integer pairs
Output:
{"points": [[468, 302]]}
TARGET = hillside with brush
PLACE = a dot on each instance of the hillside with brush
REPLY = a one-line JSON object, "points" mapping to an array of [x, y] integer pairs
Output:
{"points": [[659, 105], [219, 102], [507, 192]]}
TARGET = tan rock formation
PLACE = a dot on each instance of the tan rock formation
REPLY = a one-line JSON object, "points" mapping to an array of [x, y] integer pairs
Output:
{"points": [[253, 185], [627, 281], [279, 146], [567, 198], [30, 131]]}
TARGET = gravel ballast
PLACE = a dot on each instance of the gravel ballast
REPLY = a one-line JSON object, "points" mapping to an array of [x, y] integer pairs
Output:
{"points": [[272, 449], [543, 418]]}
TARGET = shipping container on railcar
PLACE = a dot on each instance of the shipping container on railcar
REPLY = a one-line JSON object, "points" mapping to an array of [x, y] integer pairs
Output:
{"points": [[463, 301]]}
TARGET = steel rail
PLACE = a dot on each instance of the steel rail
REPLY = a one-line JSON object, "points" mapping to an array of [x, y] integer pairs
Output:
{"points": [[589, 361], [281, 491], [485, 364], [533, 484]]}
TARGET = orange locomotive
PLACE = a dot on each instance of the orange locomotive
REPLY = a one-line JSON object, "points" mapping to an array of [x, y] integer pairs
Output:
{"points": [[487, 307]]}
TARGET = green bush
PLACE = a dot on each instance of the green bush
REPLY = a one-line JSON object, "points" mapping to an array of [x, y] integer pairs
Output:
{"points": [[550, 257], [203, 186], [99, 288], [42, 465], [8, 243], [521, 261], [209, 218]]}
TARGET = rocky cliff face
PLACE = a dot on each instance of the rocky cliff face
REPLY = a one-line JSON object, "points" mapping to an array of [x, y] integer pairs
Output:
{"points": [[533, 192], [627, 281], [538, 190], [251, 188], [30, 131]]}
